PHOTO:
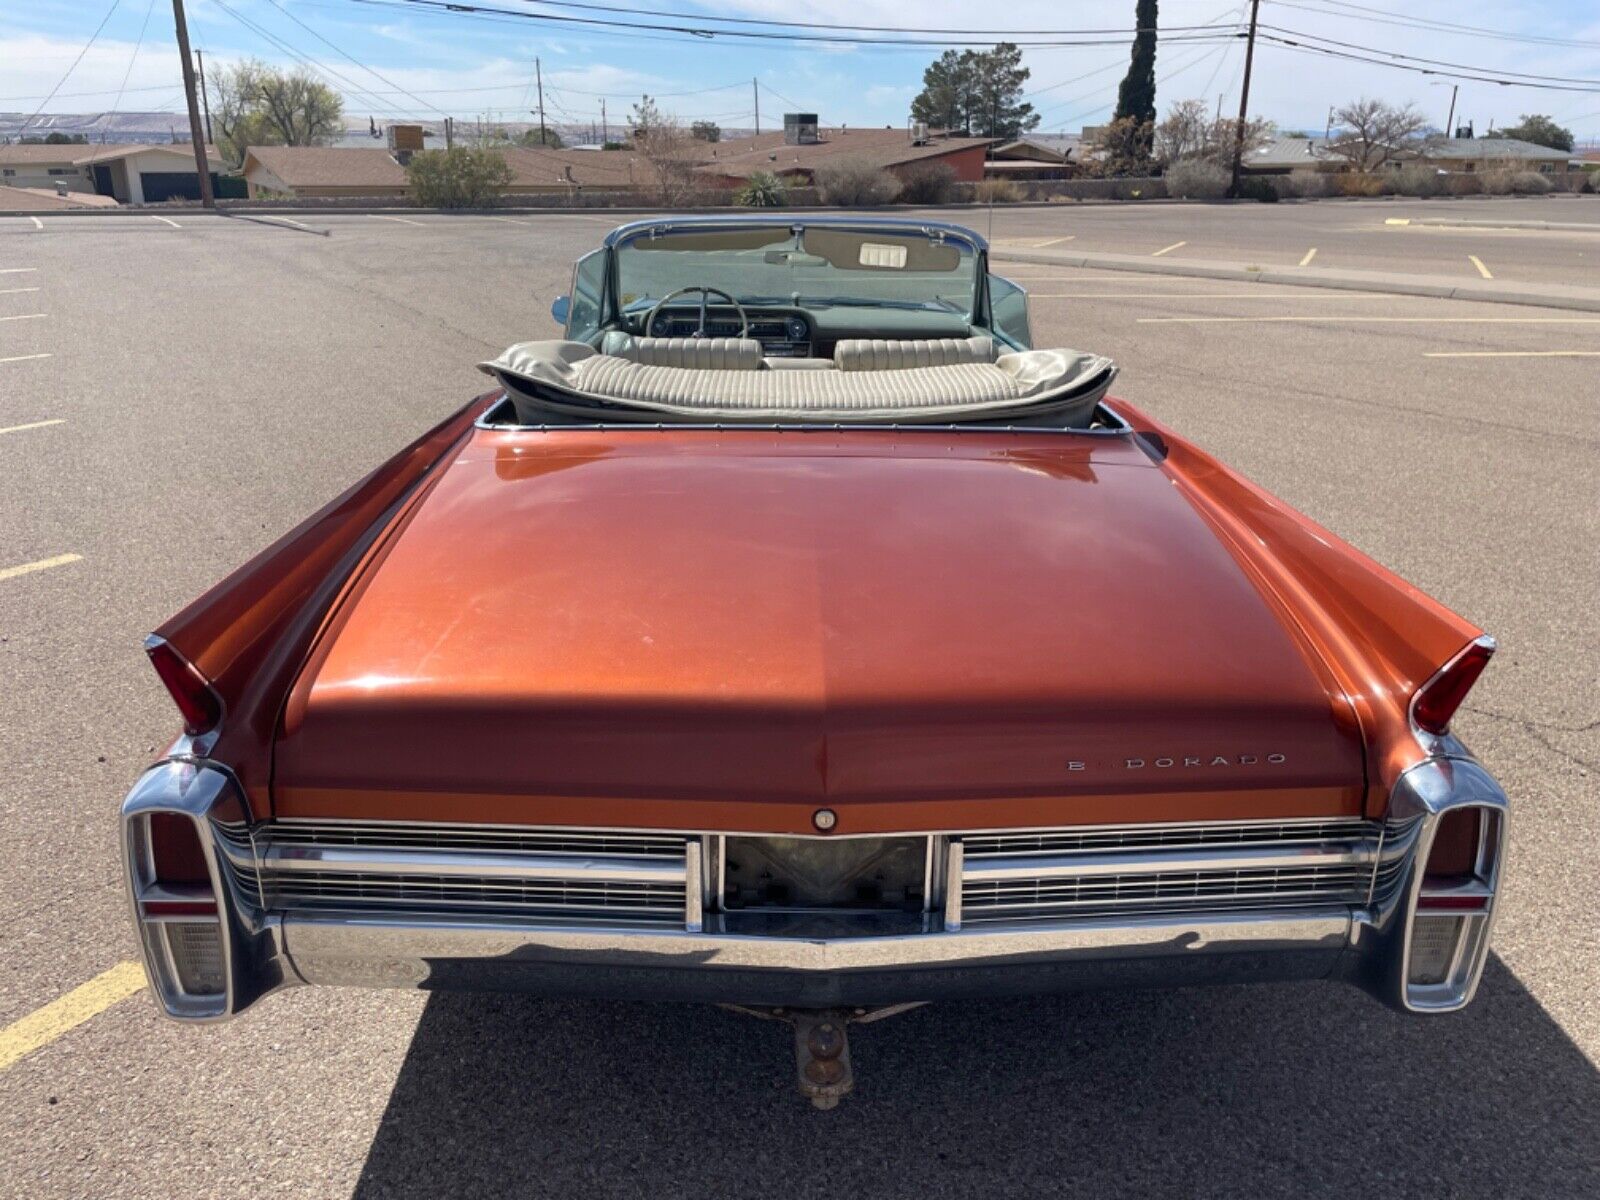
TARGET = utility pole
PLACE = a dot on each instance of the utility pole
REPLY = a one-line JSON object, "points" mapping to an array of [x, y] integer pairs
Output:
{"points": [[201, 167], [605, 134], [1450, 121], [1327, 130], [1244, 99], [538, 74], [756, 88], [205, 95], [449, 133]]}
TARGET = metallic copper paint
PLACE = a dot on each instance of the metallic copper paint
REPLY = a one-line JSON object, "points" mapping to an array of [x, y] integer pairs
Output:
{"points": [[701, 629]]}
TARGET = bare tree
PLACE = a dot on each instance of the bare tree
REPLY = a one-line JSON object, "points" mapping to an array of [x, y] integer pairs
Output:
{"points": [[1372, 132], [671, 153], [1184, 131]]}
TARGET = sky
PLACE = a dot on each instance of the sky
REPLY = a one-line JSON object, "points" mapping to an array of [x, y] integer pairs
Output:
{"points": [[430, 62]]}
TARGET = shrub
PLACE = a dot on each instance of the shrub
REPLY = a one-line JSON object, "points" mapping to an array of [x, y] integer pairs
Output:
{"points": [[853, 183], [1197, 179], [1463, 184], [931, 183], [762, 190], [1253, 187], [997, 191], [1356, 184], [1530, 183], [458, 178], [1417, 179], [1303, 185], [1577, 181], [1496, 182]]}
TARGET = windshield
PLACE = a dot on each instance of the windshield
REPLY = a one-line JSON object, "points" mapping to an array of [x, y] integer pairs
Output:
{"points": [[816, 267]]}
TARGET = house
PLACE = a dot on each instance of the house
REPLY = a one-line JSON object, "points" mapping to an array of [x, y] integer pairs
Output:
{"points": [[132, 174], [1465, 155], [802, 147], [1035, 156]]}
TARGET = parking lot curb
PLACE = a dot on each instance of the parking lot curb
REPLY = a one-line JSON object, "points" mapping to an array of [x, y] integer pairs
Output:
{"points": [[1466, 223], [1437, 286]]}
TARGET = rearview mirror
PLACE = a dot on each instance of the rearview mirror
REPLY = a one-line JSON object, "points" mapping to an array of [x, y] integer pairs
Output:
{"points": [[559, 309]]}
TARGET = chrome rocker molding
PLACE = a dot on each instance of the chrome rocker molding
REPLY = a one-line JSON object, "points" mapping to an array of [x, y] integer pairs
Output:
{"points": [[628, 914]]}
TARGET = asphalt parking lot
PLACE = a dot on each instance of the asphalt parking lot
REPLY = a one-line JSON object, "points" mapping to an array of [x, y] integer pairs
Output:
{"points": [[176, 392]]}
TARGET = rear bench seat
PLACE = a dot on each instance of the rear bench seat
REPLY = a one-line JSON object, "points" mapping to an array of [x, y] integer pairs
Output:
{"points": [[698, 354], [885, 354]]}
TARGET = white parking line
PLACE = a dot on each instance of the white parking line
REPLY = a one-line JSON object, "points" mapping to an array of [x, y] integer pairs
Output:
{"points": [[165, 221], [402, 220], [1253, 295], [1310, 254], [1482, 270], [33, 425], [22, 358], [44, 564], [1056, 241], [1168, 249], [17, 270], [1495, 354], [25, 317], [1384, 320], [16, 291], [508, 220], [37, 224], [285, 220]]}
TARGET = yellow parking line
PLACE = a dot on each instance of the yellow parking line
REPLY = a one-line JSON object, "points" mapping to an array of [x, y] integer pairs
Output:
{"points": [[1384, 320], [44, 564], [1168, 249], [1398, 221], [1482, 270], [23, 357], [1310, 254], [1495, 354], [66, 1013], [165, 221], [33, 425]]}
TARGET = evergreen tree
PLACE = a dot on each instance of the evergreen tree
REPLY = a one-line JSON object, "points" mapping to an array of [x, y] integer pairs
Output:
{"points": [[978, 94], [1136, 95]]}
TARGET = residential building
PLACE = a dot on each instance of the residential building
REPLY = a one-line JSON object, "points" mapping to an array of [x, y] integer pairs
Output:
{"points": [[132, 174]]}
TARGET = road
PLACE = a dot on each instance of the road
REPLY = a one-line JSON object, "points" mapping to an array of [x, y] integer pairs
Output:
{"points": [[173, 398]]}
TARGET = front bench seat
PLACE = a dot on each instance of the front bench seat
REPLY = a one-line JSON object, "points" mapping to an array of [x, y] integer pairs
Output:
{"points": [[900, 354], [699, 354]]}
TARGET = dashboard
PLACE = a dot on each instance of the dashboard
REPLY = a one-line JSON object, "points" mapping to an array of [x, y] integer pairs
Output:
{"points": [[783, 333]]}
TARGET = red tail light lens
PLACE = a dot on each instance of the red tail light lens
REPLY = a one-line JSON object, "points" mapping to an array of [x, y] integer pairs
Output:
{"points": [[196, 700], [175, 854], [1438, 699], [1454, 856]]}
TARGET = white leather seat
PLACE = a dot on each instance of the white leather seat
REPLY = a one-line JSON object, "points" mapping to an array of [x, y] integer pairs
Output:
{"points": [[899, 354], [700, 354]]}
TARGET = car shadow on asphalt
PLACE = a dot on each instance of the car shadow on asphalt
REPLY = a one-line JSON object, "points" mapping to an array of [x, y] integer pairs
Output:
{"points": [[1274, 1090]]}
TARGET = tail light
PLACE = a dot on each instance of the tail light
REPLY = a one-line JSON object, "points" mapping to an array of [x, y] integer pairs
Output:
{"points": [[1448, 940], [175, 881], [1437, 700], [196, 699]]}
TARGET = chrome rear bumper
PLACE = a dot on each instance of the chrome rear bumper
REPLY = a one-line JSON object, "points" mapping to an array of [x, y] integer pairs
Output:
{"points": [[621, 914]]}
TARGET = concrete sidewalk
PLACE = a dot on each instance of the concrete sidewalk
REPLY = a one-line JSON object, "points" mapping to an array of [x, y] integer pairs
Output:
{"points": [[1466, 223], [1443, 287]]}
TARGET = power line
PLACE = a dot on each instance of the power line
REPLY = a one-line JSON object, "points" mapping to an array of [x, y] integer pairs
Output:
{"points": [[92, 37], [337, 50], [134, 57], [1302, 48], [1429, 61], [1406, 20]]}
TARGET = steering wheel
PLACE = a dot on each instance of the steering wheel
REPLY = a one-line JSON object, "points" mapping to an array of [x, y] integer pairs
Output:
{"points": [[705, 294]]}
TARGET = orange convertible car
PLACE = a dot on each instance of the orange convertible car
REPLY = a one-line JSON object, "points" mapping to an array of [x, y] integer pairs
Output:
{"points": [[793, 635]]}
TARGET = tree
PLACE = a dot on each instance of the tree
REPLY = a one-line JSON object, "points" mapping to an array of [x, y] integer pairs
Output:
{"points": [[532, 137], [661, 140], [253, 104], [1136, 94], [1372, 132], [1184, 132], [706, 131], [1123, 148], [458, 178], [977, 93], [57, 139], [1541, 131]]}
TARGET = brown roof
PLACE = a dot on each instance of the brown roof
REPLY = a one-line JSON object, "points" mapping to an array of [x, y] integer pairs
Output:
{"points": [[79, 154], [328, 166], [15, 199], [881, 147]]}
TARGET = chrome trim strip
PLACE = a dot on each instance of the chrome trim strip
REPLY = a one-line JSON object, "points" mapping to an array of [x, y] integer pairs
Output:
{"points": [[466, 864], [1219, 859], [952, 885], [693, 919]]}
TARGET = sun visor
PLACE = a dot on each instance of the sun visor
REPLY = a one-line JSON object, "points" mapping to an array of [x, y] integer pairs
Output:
{"points": [[855, 250]]}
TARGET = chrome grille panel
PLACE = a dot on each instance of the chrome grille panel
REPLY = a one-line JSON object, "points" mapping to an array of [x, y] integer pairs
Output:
{"points": [[1062, 874], [610, 877]]}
